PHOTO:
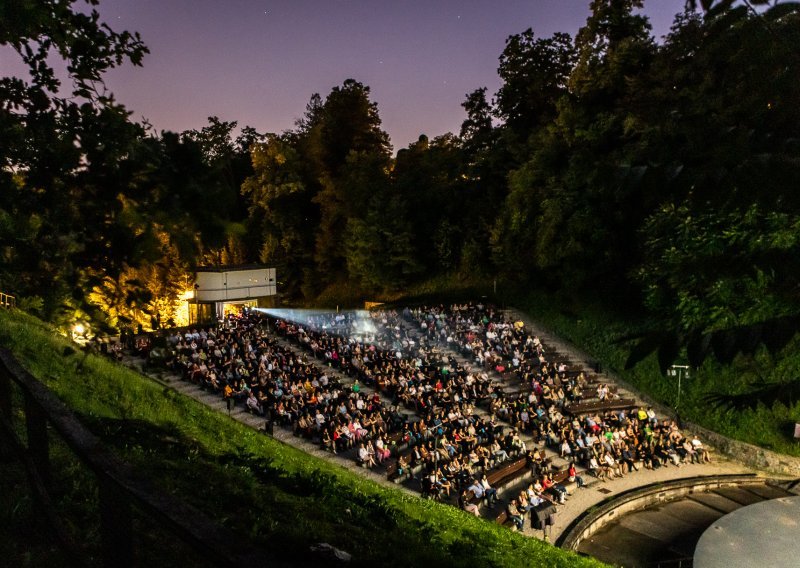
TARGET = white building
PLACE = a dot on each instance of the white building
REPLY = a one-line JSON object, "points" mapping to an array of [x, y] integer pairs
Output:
{"points": [[221, 289]]}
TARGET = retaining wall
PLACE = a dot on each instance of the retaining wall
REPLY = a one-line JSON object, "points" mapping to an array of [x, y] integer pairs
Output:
{"points": [[598, 516]]}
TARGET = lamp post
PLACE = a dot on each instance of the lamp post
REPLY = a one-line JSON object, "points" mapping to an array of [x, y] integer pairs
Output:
{"points": [[682, 372]]}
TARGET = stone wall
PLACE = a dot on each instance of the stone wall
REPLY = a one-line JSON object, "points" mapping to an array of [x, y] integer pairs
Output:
{"points": [[748, 454]]}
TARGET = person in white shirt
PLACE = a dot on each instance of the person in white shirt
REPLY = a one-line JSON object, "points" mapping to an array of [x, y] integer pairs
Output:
{"points": [[489, 491], [364, 458]]}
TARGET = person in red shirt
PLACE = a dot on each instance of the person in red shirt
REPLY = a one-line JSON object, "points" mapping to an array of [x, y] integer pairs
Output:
{"points": [[573, 475]]}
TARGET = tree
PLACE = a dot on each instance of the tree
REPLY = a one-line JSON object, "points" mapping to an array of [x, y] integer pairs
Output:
{"points": [[720, 267], [477, 132], [571, 209], [349, 124], [282, 210], [428, 178], [61, 155], [535, 72]]}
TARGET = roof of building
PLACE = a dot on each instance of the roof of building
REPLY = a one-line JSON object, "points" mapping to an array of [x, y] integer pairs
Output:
{"points": [[231, 267]]}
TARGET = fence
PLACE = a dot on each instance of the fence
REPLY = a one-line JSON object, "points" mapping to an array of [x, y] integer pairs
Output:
{"points": [[119, 488], [7, 301]]}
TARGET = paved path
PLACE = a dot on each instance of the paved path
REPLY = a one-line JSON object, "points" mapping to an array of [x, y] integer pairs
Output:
{"points": [[582, 499]]}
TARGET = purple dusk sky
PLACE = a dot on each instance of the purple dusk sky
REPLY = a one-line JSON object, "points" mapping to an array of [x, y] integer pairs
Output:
{"points": [[259, 61]]}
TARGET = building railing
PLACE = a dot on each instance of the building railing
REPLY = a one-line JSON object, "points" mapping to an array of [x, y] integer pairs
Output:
{"points": [[7, 300], [119, 488]]}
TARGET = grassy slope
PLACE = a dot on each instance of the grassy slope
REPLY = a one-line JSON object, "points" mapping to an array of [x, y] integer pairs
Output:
{"points": [[596, 330], [262, 489]]}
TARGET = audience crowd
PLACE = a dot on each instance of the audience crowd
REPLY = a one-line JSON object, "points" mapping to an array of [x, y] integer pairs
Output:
{"points": [[463, 423]]}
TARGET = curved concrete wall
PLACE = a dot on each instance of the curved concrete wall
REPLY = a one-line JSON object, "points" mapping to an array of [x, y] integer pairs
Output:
{"points": [[636, 499]]}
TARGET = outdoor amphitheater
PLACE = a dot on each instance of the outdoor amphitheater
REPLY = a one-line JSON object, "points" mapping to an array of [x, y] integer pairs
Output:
{"points": [[478, 407]]}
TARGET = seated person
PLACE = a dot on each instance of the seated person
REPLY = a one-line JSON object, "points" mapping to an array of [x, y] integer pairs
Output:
{"points": [[489, 491], [573, 475], [364, 458], [514, 515], [464, 503]]}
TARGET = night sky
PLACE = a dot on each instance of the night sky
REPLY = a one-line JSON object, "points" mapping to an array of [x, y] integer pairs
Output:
{"points": [[259, 61]]}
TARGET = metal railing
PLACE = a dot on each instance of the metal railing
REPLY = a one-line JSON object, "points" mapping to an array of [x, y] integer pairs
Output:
{"points": [[119, 488], [7, 300]]}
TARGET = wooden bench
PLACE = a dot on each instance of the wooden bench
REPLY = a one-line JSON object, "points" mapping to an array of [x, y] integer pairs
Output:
{"points": [[595, 407], [392, 467], [590, 394], [393, 472], [561, 476], [507, 473]]}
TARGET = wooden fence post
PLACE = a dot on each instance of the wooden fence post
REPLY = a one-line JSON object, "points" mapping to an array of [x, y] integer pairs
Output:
{"points": [[38, 442], [116, 525], [6, 453]]}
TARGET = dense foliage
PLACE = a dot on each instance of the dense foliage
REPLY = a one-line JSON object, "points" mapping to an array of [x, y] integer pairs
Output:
{"points": [[660, 175]]}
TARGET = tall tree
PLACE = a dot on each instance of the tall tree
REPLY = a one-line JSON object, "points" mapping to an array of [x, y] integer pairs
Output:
{"points": [[535, 72], [349, 125], [61, 147], [720, 252], [282, 210], [570, 207]]}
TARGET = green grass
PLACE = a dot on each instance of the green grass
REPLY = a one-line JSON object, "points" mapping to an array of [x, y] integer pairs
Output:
{"points": [[267, 492], [597, 330]]}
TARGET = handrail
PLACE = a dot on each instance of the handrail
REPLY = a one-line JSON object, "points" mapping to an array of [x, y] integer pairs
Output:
{"points": [[119, 486], [7, 300]]}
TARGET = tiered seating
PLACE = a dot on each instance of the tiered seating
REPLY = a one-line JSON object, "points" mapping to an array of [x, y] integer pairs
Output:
{"points": [[241, 362], [580, 417], [455, 432]]}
